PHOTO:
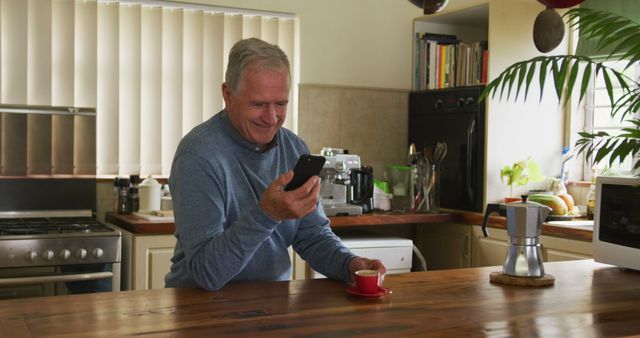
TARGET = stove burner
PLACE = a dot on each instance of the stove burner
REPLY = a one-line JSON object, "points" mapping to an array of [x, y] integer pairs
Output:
{"points": [[38, 226]]}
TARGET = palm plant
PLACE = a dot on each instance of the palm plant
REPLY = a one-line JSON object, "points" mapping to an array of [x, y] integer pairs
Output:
{"points": [[569, 72]]}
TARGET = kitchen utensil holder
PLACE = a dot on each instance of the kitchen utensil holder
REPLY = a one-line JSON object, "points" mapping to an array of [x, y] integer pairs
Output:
{"points": [[431, 190]]}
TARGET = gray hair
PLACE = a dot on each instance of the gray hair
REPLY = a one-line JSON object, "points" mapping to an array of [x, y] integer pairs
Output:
{"points": [[245, 52]]}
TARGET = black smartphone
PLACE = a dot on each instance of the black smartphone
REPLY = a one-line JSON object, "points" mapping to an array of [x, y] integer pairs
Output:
{"points": [[307, 166]]}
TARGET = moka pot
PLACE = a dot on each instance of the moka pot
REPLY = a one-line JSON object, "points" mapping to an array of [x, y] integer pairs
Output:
{"points": [[524, 225]]}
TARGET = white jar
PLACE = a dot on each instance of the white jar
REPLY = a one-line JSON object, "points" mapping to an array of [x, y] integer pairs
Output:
{"points": [[149, 191]]}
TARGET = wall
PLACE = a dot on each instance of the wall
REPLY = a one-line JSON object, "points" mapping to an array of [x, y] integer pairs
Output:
{"points": [[519, 129], [368, 122], [354, 43]]}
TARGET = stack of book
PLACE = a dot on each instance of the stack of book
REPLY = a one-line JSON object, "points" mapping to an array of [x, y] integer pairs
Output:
{"points": [[443, 61]]}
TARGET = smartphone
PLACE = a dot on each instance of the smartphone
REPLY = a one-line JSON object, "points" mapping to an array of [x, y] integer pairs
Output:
{"points": [[307, 166]]}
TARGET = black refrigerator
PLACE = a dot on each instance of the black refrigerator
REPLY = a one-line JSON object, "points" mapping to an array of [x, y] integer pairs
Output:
{"points": [[456, 117]]}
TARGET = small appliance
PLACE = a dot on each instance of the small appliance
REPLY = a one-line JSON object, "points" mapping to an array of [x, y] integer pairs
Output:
{"points": [[524, 225], [454, 116], [346, 187], [361, 192], [616, 225], [395, 252]]}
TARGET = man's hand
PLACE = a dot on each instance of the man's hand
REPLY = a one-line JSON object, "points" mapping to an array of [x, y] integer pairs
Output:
{"points": [[361, 263], [281, 205]]}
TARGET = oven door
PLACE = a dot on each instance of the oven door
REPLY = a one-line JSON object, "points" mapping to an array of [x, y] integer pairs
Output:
{"points": [[58, 280]]}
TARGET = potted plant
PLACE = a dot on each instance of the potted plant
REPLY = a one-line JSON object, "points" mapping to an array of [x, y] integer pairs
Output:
{"points": [[520, 173], [607, 30]]}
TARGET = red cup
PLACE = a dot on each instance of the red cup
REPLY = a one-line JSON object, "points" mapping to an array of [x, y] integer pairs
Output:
{"points": [[367, 281]]}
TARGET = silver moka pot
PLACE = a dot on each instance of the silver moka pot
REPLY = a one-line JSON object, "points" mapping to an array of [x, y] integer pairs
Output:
{"points": [[524, 225]]}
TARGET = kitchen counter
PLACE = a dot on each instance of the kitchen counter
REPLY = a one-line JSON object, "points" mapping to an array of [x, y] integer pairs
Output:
{"points": [[587, 300], [138, 225]]}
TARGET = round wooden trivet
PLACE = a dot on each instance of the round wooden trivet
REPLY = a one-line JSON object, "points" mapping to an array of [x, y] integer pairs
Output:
{"points": [[499, 277]]}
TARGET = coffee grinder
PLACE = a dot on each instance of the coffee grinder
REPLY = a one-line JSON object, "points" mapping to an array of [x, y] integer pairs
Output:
{"points": [[524, 226]]}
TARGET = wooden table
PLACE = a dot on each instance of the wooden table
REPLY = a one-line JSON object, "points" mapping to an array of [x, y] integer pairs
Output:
{"points": [[587, 300]]}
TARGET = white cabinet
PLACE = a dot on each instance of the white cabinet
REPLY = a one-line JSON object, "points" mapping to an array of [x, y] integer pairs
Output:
{"points": [[146, 259], [492, 250], [488, 251], [560, 249]]}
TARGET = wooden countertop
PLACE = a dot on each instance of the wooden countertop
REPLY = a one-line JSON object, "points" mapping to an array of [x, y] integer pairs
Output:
{"points": [[587, 300], [138, 225]]}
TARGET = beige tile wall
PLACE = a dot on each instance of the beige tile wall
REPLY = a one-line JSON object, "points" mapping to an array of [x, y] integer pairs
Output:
{"points": [[369, 122]]}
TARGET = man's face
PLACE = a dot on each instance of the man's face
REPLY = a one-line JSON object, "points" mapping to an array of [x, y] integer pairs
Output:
{"points": [[258, 109]]}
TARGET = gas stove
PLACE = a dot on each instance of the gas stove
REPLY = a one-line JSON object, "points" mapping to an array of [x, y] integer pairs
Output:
{"points": [[50, 239], [52, 226]]}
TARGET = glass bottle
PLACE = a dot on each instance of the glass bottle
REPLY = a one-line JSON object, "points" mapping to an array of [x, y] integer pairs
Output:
{"points": [[134, 199], [591, 201], [124, 206]]}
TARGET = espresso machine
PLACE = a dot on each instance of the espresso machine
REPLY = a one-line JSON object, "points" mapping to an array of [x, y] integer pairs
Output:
{"points": [[346, 187], [524, 225]]}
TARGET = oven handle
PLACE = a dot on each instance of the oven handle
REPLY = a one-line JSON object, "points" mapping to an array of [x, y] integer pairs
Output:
{"points": [[55, 279]]}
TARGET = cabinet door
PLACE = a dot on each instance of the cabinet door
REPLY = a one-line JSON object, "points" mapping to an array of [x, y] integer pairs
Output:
{"points": [[299, 265], [489, 251], [445, 246], [560, 249], [553, 255], [152, 260]]}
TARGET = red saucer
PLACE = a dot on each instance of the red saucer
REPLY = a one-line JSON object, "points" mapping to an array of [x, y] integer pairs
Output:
{"points": [[381, 292]]}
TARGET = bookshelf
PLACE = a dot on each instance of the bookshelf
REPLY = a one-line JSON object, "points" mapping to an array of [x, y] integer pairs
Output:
{"points": [[451, 49], [507, 25]]}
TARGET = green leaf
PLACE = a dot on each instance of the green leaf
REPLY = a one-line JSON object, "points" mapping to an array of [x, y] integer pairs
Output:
{"points": [[511, 79], [598, 68], [633, 56], [535, 173], [543, 75], [620, 77], [505, 81], [607, 82], [530, 73], [623, 45], [572, 78], [586, 80], [608, 39], [522, 73], [559, 76]]}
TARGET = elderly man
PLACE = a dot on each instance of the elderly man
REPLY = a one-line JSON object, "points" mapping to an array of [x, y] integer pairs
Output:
{"points": [[234, 221]]}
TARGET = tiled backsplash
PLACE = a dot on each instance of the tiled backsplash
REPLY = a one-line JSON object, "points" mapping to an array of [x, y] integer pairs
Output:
{"points": [[369, 122]]}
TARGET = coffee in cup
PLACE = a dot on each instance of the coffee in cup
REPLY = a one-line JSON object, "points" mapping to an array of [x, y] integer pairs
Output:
{"points": [[367, 281]]}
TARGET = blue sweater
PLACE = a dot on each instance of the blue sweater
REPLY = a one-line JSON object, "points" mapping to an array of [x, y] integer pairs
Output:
{"points": [[222, 235]]}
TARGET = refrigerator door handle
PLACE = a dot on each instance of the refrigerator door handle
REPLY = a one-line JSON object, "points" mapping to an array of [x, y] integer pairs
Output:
{"points": [[470, 136]]}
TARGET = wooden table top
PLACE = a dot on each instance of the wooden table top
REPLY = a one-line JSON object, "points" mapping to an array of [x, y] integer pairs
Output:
{"points": [[587, 300]]}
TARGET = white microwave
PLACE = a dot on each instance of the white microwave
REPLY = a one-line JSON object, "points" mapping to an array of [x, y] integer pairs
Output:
{"points": [[616, 226]]}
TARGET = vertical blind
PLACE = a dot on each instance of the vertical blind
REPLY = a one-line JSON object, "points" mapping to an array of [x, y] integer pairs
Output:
{"points": [[151, 69]]}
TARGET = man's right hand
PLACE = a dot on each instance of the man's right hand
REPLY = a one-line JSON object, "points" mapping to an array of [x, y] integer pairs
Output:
{"points": [[281, 205]]}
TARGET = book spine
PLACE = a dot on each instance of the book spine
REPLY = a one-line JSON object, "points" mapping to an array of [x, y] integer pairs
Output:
{"points": [[485, 64], [443, 61], [416, 63]]}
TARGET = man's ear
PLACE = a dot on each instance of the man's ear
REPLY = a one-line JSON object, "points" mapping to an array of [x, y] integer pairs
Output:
{"points": [[226, 94]]}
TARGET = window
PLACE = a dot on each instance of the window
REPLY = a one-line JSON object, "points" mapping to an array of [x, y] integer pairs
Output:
{"points": [[598, 114], [151, 69]]}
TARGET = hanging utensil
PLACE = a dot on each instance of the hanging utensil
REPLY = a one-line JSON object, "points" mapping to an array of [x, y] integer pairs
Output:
{"points": [[428, 154]]}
